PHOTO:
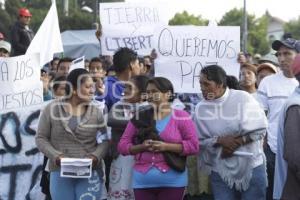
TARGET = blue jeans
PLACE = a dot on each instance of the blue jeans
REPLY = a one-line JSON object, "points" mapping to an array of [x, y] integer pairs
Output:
{"points": [[75, 188], [256, 190]]}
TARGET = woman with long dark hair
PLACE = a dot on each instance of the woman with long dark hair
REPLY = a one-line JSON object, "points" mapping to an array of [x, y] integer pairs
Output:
{"points": [[160, 138]]}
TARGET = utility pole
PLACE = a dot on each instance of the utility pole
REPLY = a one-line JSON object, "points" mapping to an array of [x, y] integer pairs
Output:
{"points": [[96, 11], [245, 29], [66, 8]]}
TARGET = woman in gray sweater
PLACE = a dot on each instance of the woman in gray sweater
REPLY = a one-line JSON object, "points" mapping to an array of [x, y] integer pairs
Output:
{"points": [[71, 127]]}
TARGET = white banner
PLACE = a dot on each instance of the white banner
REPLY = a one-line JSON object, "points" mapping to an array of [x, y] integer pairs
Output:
{"points": [[130, 25], [20, 160], [20, 82], [184, 50], [77, 64]]}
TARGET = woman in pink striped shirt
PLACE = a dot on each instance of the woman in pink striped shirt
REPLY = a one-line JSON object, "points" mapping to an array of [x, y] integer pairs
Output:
{"points": [[153, 178]]}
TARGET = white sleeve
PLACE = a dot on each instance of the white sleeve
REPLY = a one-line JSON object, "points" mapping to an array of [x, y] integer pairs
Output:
{"points": [[263, 95]]}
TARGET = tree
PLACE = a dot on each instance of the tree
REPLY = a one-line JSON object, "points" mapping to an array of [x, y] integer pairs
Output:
{"points": [[77, 18], [257, 30], [293, 27], [185, 19], [9, 16]]}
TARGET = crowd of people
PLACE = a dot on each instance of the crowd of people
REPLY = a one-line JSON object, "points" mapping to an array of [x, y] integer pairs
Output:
{"points": [[142, 137]]}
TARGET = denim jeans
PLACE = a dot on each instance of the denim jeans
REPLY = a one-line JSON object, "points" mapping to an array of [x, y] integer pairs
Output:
{"points": [[75, 188], [256, 190]]}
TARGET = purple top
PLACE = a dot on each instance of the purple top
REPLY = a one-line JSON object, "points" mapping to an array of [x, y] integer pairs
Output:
{"points": [[180, 129]]}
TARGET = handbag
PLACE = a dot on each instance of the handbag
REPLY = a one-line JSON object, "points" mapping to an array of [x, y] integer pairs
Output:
{"points": [[145, 123], [175, 161]]}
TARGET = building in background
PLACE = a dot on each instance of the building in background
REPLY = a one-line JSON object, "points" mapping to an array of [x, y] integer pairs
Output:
{"points": [[275, 28]]}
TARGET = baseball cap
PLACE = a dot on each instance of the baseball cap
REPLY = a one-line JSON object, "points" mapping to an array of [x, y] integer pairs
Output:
{"points": [[24, 12], [290, 43], [5, 45], [267, 66]]}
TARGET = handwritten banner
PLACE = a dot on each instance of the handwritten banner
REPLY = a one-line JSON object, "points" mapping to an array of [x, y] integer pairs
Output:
{"points": [[20, 160], [130, 25], [184, 50], [20, 82]]}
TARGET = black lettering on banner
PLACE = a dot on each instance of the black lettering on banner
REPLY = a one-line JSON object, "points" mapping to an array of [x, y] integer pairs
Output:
{"points": [[108, 14], [13, 170], [119, 15], [180, 46], [196, 72], [147, 12], [138, 13], [197, 44], [34, 179], [188, 47], [182, 67], [203, 41], [5, 118], [4, 71], [128, 14], [164, 36], [189, 71], [23, 70], [127, 42], [221, 49], [155, 15], [29, 69], [233, 52], [39, 98], [212, 46], [141, 40], [32, 151], [148, 37], [135, 42], [29, 120]]}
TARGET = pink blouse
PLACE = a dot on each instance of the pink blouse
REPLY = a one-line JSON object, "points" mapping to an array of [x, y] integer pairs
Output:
{"points": [[180, 129]]}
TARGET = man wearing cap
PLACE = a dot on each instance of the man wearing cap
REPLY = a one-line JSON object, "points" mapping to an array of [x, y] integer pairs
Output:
{"points": [[21, 34], [273, 91], [287, 169], [5, 48]]}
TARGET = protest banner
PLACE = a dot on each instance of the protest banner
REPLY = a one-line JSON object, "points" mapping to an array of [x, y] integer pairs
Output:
{"points": [[130, 25], [47, 41], [20, 160], [20, 82], [77, 64], [184, 50]]}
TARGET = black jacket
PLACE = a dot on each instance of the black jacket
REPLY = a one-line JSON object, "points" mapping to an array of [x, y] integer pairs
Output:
{"points": [[20, 39]]}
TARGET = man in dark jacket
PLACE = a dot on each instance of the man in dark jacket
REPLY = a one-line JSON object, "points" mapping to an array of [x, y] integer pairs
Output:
{"points": [[21, 34]]}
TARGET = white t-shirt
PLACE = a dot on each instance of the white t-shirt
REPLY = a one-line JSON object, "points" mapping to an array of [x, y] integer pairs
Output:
{"points": [[272, 93]]}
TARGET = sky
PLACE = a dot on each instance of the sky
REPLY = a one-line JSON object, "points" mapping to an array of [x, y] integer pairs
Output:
{"points": [[215, 9]]}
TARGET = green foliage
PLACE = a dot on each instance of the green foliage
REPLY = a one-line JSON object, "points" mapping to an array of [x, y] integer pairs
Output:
{"points": [[9, 16], [257, 30], [77, 18], [185, 19], [293, 27]]}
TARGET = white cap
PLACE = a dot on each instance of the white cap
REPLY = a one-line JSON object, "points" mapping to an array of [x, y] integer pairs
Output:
{"points": [[5, 45]]}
